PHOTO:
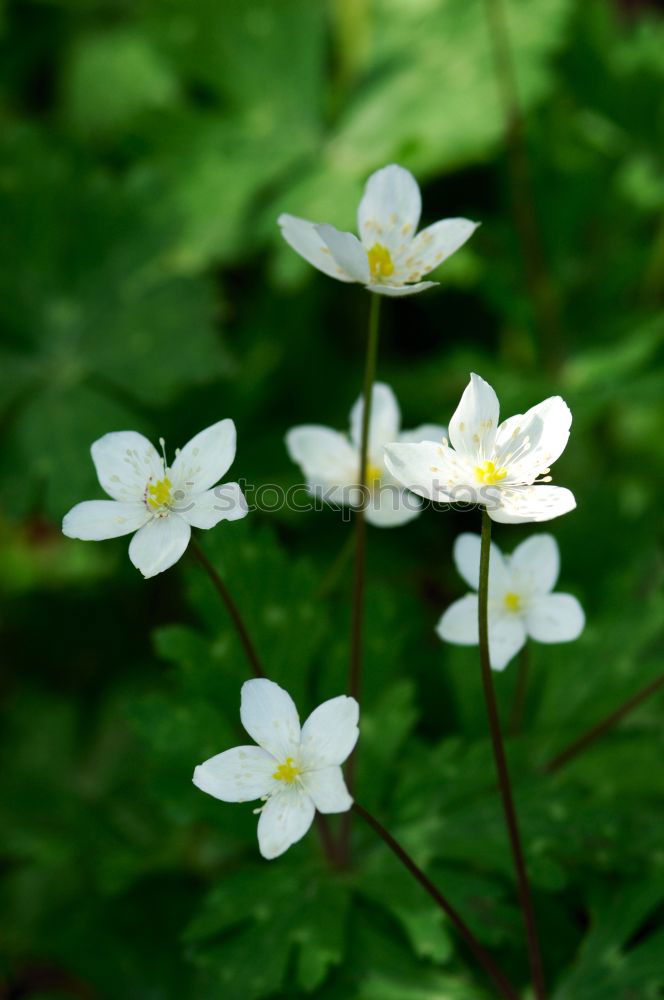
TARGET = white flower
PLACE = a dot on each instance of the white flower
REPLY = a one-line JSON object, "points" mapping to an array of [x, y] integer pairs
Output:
{"points": [[331, 460], [520, 600], [160, 503], [499, 466], [388, 257], [293, 770]]}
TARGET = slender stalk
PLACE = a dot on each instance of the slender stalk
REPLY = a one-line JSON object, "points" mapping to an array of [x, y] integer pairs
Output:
{"points": [[503, 985], [231, 607], [355, 664], [328, 843], [331, 578], [541, 290], [518, 704], [357, 612], [523, 886], [588, 738]]}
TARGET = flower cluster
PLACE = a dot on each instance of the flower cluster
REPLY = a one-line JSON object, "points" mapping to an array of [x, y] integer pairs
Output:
{"points": [[503, 467]]}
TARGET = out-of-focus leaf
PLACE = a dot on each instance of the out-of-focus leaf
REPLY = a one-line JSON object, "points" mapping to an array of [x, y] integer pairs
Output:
{"points": [[619, 958], [276, 598], [100, 327], [114, 76], [429, 99], [297, 912]]}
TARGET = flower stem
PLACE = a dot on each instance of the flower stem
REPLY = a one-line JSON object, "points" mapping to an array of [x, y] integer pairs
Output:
{"points": [[336, 570], [231, 607], [518, 704], [357, 612], [504, 987], [355, 665], [525, 901], [578, 746]]}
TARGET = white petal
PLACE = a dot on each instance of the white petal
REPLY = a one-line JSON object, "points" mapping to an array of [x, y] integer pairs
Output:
{"points": [[336, 496], [398, 291], [432, 246], [284, 819], [535, 565], [430, 470], [390, 506], [475, 420], [459, 623], [328, 790], [159, 544], [347, 251], [385, 421], [94, 520], [238, 775], [324, 456], [330, 733], [531, 503], [467, 560], [205, 459], [305, 240], [270, 717], [125, 461], [555, 618], [530, 442], [507, 635], [390, 208], [556, 418], [425, 432], [225, 502]]}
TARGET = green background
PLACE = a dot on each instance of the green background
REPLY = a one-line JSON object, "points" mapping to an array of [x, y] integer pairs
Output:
{"points": [[147, 149]]}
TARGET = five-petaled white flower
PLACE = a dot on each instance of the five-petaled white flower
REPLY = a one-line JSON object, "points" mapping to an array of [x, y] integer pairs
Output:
{"points": [[389, 257], [520, 600], [293, 770], [331, 460], [499, 466], [160, 503]]}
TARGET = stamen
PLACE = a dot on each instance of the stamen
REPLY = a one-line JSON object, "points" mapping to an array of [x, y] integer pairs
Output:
{"points": [[158, 494], [162, 444], [488, 474], [512, 602], [287, 772], [380, 261], [372, 476]]}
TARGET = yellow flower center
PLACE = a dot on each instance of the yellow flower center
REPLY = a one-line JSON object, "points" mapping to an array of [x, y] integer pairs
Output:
{"points": [[380, 261], [488, 474], [287, 772], [373, 475], [159, 494], [512, 602]]}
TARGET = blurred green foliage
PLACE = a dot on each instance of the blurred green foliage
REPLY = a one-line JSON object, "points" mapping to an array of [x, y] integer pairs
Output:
{"points": [[147, 149]]}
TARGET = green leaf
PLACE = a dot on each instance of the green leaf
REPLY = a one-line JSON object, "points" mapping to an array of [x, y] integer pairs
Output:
{"points": [[298, 911], [429, 98], [112, 77], [619, 958], [96, 336], [275, 595]]}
